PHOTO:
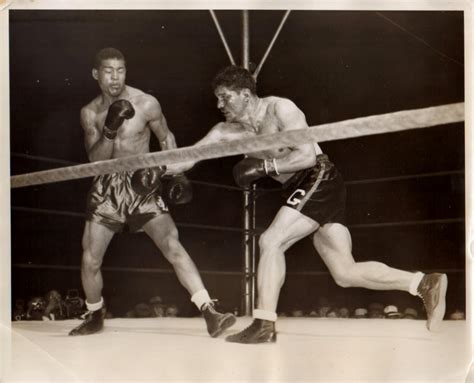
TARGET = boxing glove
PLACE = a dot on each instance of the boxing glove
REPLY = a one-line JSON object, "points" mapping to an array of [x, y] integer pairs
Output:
{"points": [[178, 190], [119, 111], [145, 181], [250, 169]]}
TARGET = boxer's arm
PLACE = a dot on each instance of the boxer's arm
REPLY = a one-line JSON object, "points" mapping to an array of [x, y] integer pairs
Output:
{"points": [[290, 117], [97, 146], [158, 124], [215, 135]]}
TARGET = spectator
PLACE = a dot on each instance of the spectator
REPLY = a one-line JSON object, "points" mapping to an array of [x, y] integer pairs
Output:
{"points": [[55, 306], [391, 312], [376, 310], [360, 312], [36, 306], [344, 312], [172, 311], [410, 313], [457, 315], [19, 312]]}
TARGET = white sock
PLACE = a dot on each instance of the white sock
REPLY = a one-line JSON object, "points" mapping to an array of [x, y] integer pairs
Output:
{"points": [[95, 306], [265, 315], [200, 298], [415, 282]]}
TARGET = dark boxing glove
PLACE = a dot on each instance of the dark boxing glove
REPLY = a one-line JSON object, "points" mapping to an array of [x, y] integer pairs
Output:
{"points": [[178, 190], [119, 111], [250, 170], [145, 181]]}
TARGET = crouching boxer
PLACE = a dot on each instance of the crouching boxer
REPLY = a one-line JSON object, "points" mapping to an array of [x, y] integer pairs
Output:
{"points": [[119, 123], [314, 205]]}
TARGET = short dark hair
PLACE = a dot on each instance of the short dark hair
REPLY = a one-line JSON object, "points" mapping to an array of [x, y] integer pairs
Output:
{"points": [[106, 54], [236, 78]]}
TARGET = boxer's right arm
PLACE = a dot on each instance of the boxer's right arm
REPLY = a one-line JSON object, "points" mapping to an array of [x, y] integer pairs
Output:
{"points": [[213, 136], [97, 146], [99, 142]]}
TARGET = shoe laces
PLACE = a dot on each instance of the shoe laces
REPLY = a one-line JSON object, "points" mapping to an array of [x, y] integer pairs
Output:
{"points": [[86, 319], [86, 315], [422, 298], [210, 305], [250, 326]]}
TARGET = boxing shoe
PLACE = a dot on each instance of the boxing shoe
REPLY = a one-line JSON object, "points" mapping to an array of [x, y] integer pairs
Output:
{"points": [[432, 290], [216, 322], [93, 322], [260, 331]]}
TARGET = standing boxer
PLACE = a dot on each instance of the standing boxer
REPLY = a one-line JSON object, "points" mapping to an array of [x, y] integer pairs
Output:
{"points": [[119, 123], [314, 205]]}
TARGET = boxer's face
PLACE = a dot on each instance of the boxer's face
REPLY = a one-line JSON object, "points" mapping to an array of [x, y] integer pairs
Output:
{"points": [[111, 76], [231, 103]]}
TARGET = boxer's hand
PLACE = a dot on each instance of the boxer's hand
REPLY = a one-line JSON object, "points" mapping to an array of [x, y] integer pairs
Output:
{"points": [[119, 111], [178, 190], [145, 181], [248, 171]]}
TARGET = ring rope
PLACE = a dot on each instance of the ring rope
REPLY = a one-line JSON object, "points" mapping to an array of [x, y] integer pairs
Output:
{"points": [[405, 177], [83, 215], [123, 269], [42, 159], [407, 223], [65, 162], [258, 230], [363, 126], [210, 272], [265, 191], [236, 188]]}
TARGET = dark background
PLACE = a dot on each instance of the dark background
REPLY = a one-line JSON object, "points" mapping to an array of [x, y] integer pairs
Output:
{"points": [[333, 65]]}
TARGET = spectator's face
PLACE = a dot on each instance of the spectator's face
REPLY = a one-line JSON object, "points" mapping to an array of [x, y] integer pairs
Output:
{"points": [[172, 311]]}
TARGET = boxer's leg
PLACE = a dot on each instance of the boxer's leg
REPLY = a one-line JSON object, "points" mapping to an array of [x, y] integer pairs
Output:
{"points": [[164, 234], [95, 241], [288, 227], [334, 245]]}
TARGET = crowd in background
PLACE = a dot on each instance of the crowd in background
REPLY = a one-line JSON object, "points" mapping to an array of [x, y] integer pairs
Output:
{"points": [[53, 306]]}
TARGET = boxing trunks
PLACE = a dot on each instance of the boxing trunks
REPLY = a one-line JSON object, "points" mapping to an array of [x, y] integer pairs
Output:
{"points": [[318, 192], [112, 202]]}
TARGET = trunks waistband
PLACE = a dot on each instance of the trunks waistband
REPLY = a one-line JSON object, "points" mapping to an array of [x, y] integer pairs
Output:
{"points": [[301, 174]]}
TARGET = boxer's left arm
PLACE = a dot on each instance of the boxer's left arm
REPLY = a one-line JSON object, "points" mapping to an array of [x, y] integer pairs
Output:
{"points": [[288, 117], [178, 189], [148, 180]]}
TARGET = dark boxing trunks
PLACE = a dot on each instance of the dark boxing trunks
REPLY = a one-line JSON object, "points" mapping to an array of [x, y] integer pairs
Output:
{"points": [[113, 203], [318, 192]]}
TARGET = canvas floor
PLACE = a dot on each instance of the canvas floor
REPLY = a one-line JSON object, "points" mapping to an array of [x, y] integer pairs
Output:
{"points": [[179, 349]]}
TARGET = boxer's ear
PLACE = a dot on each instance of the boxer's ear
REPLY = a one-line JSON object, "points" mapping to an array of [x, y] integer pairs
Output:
{"points": [[95, 74], [246, 93]]}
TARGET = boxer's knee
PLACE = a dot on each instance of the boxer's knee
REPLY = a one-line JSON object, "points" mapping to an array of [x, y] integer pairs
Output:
{"points": [[173, 250], [343, 278], [91, 262], [269, 242]]}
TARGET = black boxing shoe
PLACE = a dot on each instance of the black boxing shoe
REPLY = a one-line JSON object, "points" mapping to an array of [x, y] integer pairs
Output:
{"points": [[432, 290], [216, 322], [260, 331], [93, 322]]}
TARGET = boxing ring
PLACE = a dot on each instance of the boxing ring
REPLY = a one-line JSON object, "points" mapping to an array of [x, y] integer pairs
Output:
{"points": [[179, 349], [172, 349]]}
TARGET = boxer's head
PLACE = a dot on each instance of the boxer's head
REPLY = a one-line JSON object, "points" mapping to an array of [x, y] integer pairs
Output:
{"points": [[110, 71], [235, 78], [233, 87]]}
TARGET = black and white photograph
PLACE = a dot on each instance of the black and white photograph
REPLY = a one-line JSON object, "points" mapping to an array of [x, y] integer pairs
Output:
{"points": [[236, 191]]}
